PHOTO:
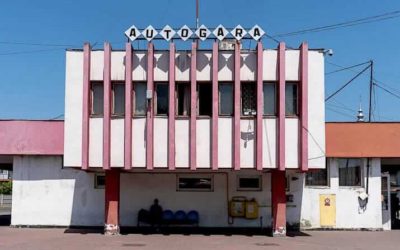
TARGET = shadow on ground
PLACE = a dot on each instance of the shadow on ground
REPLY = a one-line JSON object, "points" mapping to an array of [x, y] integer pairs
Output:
{"points": [[185, 231]]}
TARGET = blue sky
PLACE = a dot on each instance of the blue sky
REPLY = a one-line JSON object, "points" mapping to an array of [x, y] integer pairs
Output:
{"points": [[32, 77]]}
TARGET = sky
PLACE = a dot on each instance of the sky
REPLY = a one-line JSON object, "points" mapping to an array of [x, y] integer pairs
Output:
{"points": [[32, 77]]}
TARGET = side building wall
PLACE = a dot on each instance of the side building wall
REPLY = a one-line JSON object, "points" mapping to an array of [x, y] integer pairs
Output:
{"points": [[349, 214]]}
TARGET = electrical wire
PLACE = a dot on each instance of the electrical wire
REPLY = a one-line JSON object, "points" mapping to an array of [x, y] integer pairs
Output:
{"points": [[370, 19], [387, 91], [346, 84], [346, 68]]}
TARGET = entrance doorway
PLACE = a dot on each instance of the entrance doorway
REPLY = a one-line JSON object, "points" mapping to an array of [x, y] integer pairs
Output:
{"points": [[5, 190], [391, 192]]}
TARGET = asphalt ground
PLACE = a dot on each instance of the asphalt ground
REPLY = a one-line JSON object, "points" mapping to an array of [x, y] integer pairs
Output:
{"points": [[58, 238]]}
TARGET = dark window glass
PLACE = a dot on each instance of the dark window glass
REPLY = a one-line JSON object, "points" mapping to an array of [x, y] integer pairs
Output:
{"points": [[183, 99], [162, 99], [291, 99], [97, 98], [140, 98], [349, 172], [118, 99], [269, 98], [205, 98], [194, 184], [226, 99], [99, 181], [249, 98], [249, 183], [317, 177]]}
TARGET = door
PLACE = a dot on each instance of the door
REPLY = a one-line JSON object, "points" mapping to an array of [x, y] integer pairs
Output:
{"points": [[386, 213], [327, 210]]}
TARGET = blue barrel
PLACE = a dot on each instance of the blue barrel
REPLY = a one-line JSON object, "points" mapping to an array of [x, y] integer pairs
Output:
{"points": [[193, 217], [180, 216], [167, 215]]}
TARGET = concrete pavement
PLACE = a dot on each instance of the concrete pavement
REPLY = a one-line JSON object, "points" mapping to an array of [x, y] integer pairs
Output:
{"points": [[51, 238]]}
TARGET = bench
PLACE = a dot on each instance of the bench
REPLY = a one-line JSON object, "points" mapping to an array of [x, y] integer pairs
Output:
{"points": [[169, 218]]}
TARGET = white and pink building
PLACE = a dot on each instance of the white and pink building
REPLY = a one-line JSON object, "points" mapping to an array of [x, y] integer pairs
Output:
{"points": [[192, 128]]}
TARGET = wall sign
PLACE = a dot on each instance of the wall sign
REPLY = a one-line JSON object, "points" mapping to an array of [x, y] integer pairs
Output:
{"points": [[184, 33]]}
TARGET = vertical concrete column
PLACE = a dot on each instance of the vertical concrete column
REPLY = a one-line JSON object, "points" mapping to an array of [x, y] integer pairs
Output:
{"points": [[278, 186], [111, 212]]}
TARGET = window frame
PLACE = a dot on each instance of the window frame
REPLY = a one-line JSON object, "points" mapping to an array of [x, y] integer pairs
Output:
{"points": [[96, 181], [177, 115], [219, 98], [361, 173], [91, 99], [297, 113], [275, 84], [243, 83], [198, 99], [244, 189], [179, 189], [113, 114], [328, 182], [156, 99], [134, 115]]}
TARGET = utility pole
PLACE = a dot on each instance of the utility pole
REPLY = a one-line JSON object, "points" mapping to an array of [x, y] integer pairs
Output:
{"points": [[197, 14], [371, 85]]}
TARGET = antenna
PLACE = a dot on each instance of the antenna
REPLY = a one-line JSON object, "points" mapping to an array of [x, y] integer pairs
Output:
{"points": [[197, 14]]}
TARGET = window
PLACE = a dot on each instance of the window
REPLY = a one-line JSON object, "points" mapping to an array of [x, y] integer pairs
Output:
{"points": [[96, 89], [162, 99], [249, 99], [269, 98], [291, 99], [194, 183], [99, 181], [205, 98], [140, 98], [349, 172], [118, 95], [226, 99], [317, 177], [183, 99], [249, 183]]}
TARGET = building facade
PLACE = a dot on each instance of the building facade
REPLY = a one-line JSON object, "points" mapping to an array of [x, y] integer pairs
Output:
{"points": [[198, 130]]}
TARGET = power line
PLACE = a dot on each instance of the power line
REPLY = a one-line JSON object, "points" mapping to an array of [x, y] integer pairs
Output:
{"points": [[29, 51], [370, 19], [345, 68], [387, 91], [345, 85], [38, 44]]}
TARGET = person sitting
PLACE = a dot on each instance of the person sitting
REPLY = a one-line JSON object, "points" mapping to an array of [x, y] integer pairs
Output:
{"points": [[156, 213]]}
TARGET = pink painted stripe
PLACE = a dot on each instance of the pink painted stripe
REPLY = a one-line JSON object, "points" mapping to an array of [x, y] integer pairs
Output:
{"points": [[171, 111], [149, 117], [281, 106], [260, 107], [214, 133], [128, 107], [193, 107], [107, 106], [86, 106], [236, 118], [304, 107]]}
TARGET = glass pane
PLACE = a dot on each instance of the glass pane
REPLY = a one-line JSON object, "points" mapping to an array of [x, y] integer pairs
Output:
{"points": [[226, 99], [162, 99], [349, 172], [269, 99], [204, 184], [317, 178], [140, 98], [119, 99], [249, 99], [183, 99], [291, 99], [97, 99], [205, 98], [250, 183]]}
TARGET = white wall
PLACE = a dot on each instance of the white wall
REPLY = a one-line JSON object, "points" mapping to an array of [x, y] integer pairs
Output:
{"points": [[73, 112], [45, 194], [348, 212]]}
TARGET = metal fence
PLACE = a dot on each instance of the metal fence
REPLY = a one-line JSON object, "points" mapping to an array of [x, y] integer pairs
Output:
{"points": [[5, 200]]}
